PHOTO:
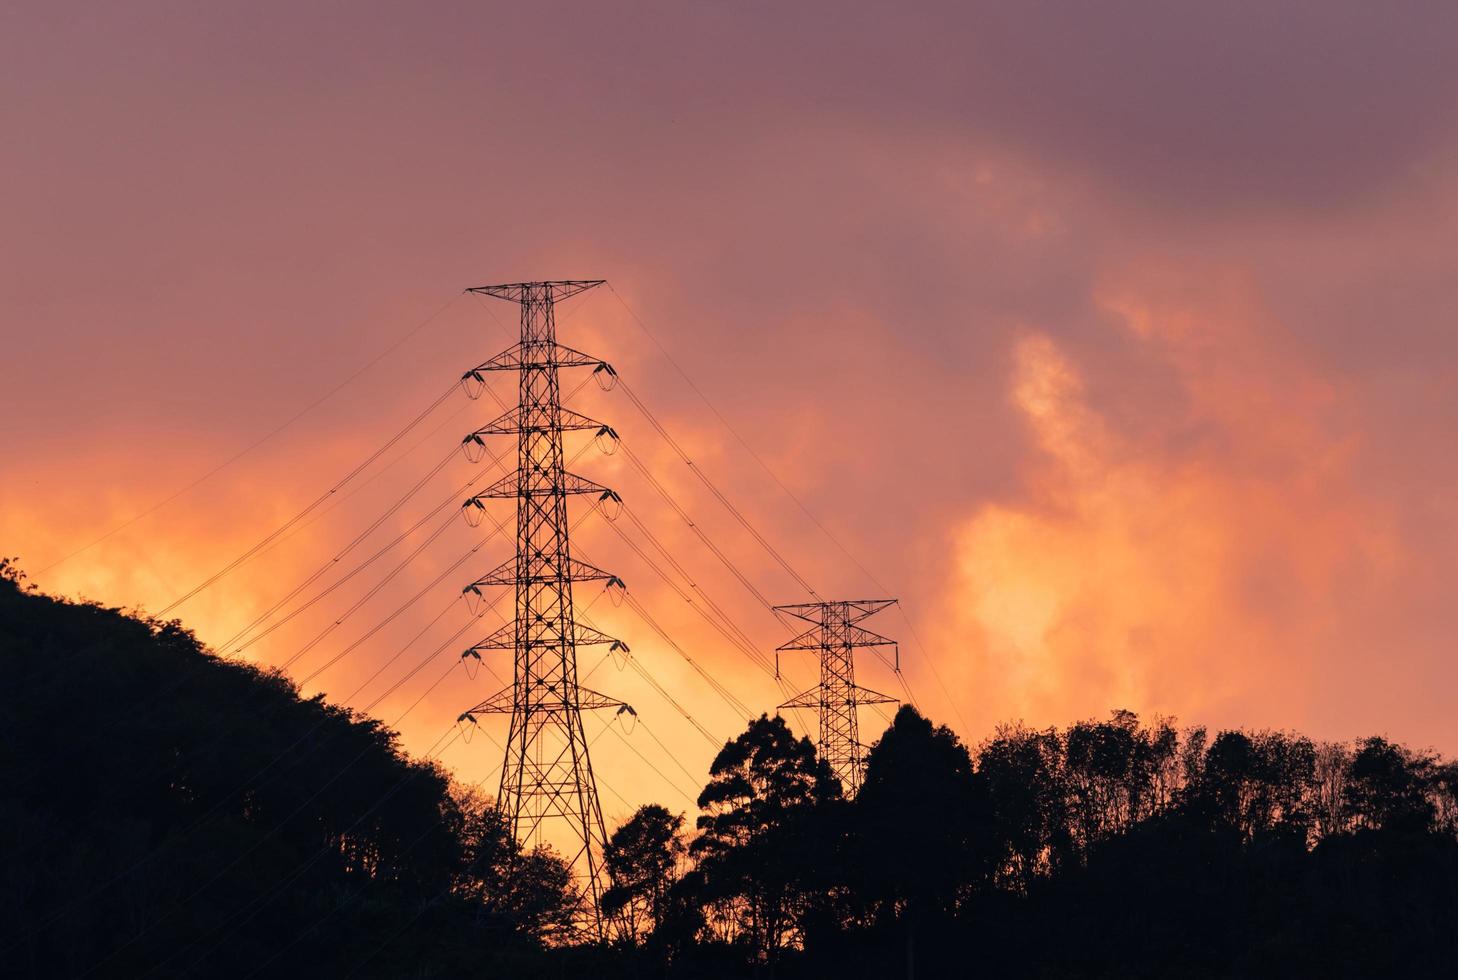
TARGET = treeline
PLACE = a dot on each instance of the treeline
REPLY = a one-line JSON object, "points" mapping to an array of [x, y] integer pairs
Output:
{"points": [[165, 813], [1109, 848]]}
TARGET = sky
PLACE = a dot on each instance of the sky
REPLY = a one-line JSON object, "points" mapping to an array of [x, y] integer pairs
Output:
{"points": [[1115, 341]]}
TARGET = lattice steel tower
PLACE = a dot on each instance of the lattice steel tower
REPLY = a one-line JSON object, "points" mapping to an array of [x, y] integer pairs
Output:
{"points": [[836, 637], [546, 775]]}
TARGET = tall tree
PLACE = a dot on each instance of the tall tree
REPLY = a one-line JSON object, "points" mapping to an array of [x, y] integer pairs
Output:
{"points": [[1023, 773], [1388, 785], [527, 892], [1256, 783], [644, 858], [921, 817], [758, 842], [923, 834]]}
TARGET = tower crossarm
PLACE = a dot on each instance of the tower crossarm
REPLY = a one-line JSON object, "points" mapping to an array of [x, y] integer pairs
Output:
{"points": [[588, 699], [505, 638], [553, 290], [511, 486], [501, 703], [530, 356], [855, 609], [864, 695], [509, 424], [572, 570], [816, 698], [820, 636], [805, 699]]}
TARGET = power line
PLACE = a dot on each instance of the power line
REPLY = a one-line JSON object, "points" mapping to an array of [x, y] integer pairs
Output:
{"points": [[268, 539], [256, 443], [456, 494], [911, 627], [369, 529], [237, 644], [714, 549], [335, 503], [713, 489]]}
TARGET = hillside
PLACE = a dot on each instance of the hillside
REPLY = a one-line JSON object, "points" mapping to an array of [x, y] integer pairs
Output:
{"points": [[168, 813]]}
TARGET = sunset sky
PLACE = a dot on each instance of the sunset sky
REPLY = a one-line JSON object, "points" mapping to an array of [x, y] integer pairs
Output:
{"points": [[1116, 340]]}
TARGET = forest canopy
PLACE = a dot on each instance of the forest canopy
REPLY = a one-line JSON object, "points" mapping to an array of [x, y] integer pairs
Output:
{"points": [[169, 812]]}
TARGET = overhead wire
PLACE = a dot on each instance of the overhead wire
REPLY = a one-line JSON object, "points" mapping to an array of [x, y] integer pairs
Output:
{"points": [[728, 697], [870, 576], [167, 690], [723, 499], [310, 508], [353, 543], [612, 725], [373, 630], [714, 489], [335, 503], [494, 460], [237, 643], [747, 645], [256, 443]]}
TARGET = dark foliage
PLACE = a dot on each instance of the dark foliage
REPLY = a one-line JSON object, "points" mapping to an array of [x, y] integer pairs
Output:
{"points": [[761, 848], [644, 862], [166, 810], [168, 813]]}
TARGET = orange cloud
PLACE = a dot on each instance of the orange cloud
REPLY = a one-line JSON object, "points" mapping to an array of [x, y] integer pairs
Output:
{"points": [[1201, 580]]}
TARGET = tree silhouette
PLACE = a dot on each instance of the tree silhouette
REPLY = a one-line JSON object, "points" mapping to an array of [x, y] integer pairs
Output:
{"points": [[644, 859], [757, 843], [168, 812], [1023, 773], [1258, 783], [529, 892], [1387, 787], [923, 827]]}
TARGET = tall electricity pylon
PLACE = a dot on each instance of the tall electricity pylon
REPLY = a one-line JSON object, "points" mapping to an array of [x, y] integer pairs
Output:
{"points": [[546, 774], [836, 637]]}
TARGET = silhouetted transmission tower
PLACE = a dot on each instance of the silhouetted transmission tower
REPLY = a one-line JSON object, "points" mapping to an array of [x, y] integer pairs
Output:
{"points": [[546, 774], [835, 636]]}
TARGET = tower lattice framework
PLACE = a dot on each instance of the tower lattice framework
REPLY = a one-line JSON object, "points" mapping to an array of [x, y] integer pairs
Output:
{"points": [[546, 775], [835, 636]]}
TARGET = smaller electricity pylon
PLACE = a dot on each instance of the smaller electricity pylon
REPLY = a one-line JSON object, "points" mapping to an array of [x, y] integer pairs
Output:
{"points": [[835, 636]]}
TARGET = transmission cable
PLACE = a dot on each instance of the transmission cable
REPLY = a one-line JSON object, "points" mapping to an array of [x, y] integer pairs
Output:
{"points": [[237, 644], [247, 555], [713, 489], [658, 486], [256, 443], [911, 627]]}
